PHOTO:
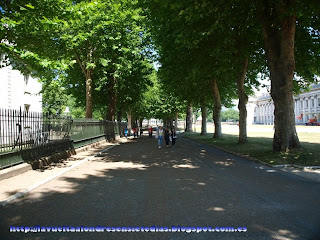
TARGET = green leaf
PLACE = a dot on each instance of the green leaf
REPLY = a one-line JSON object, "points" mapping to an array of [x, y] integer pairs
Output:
{"points": [[104, 62], [90, 65], [29, 6]]}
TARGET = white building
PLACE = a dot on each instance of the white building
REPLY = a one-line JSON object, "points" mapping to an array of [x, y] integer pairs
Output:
{"points": [[306, 106], [251, 104], [152, 122], [18, 90]]}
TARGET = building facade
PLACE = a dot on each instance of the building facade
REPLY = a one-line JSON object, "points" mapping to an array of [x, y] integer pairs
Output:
{"points": [[18, 90], [306, 106]]}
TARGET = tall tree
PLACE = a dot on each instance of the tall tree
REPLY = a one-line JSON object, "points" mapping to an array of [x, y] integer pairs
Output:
{"points": [[91, 43], [204, 112], [243, 100], [279, 26]]}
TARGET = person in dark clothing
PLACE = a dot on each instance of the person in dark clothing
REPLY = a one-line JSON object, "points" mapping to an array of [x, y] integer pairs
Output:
{"points": [[173, 136], [150, 131], [167, 136], [134, 130]]}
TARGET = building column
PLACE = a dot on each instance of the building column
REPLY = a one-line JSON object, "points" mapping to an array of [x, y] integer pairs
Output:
{"points": [[303, 110], [316, 107], [264, 114], [260, 114], [270, 114], [267, 114], [295, 111], [309, 107]]}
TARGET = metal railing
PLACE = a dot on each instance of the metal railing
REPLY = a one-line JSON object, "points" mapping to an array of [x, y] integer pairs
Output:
{"points": [[86, 130], [21, 129], [37, 134]]}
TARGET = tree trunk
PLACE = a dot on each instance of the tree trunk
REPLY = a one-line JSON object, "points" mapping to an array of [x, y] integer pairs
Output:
{"points": [[204, 120], [88, 75], [278, 33], [112, 104], [119, 115], [217, 109], [189, 119], [194, 121], [176, 120], [243, 100], [89, 100], [171, 123], [168, 123], [129, 116]]}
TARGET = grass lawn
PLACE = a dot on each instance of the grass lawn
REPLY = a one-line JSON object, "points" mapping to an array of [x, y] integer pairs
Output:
{"points": [[259, 146]]}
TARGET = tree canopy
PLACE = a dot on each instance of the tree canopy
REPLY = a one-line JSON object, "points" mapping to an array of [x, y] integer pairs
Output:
{"points": [[101, 52], [96, 50]]}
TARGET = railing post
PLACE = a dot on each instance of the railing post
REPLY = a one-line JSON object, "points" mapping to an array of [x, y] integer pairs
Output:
{"points": [[20, 129]]}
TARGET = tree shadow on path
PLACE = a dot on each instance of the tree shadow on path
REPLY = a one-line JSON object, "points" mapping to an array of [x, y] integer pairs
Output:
{"points": [[138, 184]]}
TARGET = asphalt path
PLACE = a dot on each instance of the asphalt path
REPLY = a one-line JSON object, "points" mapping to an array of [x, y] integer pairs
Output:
{"points": [[192, 185]]}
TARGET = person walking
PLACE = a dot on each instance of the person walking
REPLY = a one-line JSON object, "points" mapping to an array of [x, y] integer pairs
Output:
{"points": [[173, 136], [167, 136], [134, 130], [150, 131], [160, 136], [157, 132], [126, 132]]}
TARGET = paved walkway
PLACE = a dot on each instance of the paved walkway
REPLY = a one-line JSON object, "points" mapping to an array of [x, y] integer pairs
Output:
{"points": [[137, 184], [19, 185]]}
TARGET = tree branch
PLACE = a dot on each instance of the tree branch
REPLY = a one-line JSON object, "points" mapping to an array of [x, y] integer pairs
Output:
{"points": [[80, 63]]}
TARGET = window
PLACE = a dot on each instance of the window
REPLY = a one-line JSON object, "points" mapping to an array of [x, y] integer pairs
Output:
{"points": [[312, 103], [307, 101], [318, 102]]}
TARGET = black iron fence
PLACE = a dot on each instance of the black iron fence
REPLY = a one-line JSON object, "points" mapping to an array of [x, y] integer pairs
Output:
{"points": [[21, 129], [87, 130], [33, 135]]}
